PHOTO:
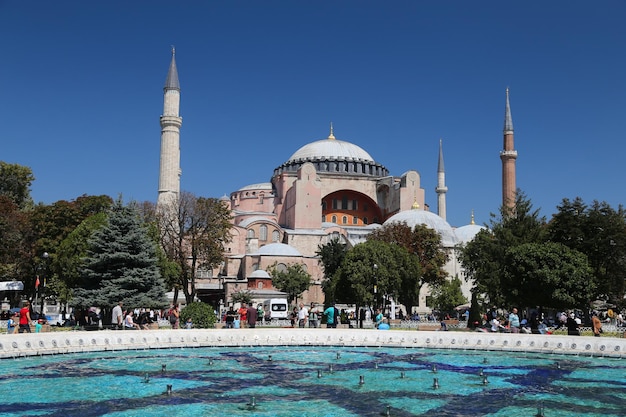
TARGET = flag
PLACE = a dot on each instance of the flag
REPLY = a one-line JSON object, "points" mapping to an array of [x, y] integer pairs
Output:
{"points": [[37, 282]]}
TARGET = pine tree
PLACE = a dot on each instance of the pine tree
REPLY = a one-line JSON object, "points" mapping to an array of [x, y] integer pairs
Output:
{"points": [[121, 265]]}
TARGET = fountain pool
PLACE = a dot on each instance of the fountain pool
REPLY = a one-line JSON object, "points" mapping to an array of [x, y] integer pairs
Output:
{"points": [[315, 381]]}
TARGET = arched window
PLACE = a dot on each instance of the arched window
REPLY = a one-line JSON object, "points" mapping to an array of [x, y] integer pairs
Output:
{"points": [[365, 221], [323, 218], [263, 232], [333, 219], [255, 266], [259, 285], [281, 267], [275, 236], [250, 233], [344, 220], [355, 220]]}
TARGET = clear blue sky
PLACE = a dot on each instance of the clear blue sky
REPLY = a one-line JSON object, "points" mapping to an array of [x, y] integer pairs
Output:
{"points": [[82, 93]]}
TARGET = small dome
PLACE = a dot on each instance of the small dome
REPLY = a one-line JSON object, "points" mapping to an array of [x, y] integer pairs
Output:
{"points": [[278, 249], [259, 186], [259, 273], [467, 233], [414, 217], [331, 149]]}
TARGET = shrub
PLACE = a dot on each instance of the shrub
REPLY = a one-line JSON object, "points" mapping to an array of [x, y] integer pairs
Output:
{"points": [[201, 314]]}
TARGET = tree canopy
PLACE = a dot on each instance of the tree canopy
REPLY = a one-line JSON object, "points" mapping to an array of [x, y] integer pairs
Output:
{"points": [[121, 265], [15, 182], [294, 280]]}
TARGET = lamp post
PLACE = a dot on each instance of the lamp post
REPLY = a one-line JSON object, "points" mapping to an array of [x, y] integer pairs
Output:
{"points": [[42, 291], [375, 287]]}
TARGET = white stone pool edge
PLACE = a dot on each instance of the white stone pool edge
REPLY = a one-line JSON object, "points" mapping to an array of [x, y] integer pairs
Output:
{"points": [[35, 344]]}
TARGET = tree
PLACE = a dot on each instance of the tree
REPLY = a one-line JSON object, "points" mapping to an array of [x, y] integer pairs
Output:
{"points": [[422, 242], [331, 255], [448, 295], [201, 314], [373, 269], [598, 231], [243, 296], [15, 182], [193, 234], [294, 280], [547, 275], [484, 258], [121, 265]]}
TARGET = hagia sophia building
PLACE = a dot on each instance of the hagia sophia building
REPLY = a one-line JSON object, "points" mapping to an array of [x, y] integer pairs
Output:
{"points": [[328, 189]]}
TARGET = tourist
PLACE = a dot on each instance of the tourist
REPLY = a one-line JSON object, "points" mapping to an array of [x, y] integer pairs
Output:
{"points": [[303, 315], [25, 318], [174, 317], [260, 313], [378, 318], [514, 324], [243, 315], [129, 323], [117, 316], [188, 324], [572, 325], [495, 325], [11, 324], [330, 314], [597, 324], [39, 325], [231, 315], [313, 321], [251, 316]]}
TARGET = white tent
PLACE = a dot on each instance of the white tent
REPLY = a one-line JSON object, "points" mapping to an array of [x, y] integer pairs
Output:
{"points": [[11, 286]]}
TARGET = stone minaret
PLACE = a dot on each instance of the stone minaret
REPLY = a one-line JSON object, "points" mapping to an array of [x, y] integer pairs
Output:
{"points": [[169, 172], [441, 188], [508, 155]]}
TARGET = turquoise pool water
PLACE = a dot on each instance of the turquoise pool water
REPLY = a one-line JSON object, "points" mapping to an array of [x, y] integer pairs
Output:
{"points": [[298, 381]]}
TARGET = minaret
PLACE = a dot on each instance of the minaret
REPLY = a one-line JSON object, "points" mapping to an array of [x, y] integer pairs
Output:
{"points": [[169, 172], [441, 188], [508, 155]]}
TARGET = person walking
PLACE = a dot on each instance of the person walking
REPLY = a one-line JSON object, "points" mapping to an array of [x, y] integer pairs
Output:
{"points": [[313, 321], [231, 315], [597, 324], [330, 317], [25, 318]]}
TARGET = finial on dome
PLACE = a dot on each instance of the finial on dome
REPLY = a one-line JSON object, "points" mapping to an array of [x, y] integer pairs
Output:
{"points": [[472, 221], [173, 50], [415, 205], [331, 136]]}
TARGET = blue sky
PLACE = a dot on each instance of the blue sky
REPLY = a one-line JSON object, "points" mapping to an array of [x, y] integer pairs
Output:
{"points": [[82, 93]]}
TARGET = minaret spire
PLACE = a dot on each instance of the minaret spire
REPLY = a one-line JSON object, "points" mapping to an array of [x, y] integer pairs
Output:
{"points": [[441, 188], [169, 172], [508, 155], [331, 136]]}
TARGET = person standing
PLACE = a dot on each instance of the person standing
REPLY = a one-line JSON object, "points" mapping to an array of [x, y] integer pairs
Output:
{"points": [[313, 322], [572, 325], [514, 321], [251, 316], [175, 317], [117, 316], [597, 325], [11, 324], [230, 318], [303, 315], [330, 317], [25, 318], [378, 318]]}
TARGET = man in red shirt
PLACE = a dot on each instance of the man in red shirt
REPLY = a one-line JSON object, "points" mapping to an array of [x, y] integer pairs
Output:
{"points": [[25, 318]]}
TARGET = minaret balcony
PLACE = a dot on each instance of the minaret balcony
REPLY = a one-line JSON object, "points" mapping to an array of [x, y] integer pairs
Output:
{"points": [[508, 154]]}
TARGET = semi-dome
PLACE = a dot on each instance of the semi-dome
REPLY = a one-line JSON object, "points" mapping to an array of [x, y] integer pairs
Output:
{"points": [[415, 217], [278, 249], [467, 233]]}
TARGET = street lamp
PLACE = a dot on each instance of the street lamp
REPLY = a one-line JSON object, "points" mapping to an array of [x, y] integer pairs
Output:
{"points": [[45, 256], [375, 286]]}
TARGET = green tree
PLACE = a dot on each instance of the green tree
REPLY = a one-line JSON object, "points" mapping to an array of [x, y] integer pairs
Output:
{"points": [[201, 314], [294, 280], [547, 275], [121, 265], [484, 258], [15, 182], [331, 255], [242, 296], [598, 231], [422, 242], [194, 231], [448, 295], [372, 270]]}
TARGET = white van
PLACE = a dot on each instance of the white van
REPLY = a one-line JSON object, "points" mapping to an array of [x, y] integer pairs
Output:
{"points": [[276, 308]]}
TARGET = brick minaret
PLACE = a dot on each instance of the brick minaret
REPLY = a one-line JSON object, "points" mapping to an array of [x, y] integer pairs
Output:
{"points": [[169, 172], [441, 188], [508, 155]]}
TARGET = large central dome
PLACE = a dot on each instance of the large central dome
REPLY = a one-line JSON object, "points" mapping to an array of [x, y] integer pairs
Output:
{"points": [[334, 157], [331, 148]]}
